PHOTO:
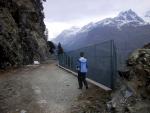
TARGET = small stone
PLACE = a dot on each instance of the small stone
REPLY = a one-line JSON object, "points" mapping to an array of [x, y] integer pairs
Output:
{"points": [[128, 94], [36, 62], [23, 111]]}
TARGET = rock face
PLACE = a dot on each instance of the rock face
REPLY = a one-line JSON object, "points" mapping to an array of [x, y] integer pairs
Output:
{"points": [[133, 95], [22, 29]]}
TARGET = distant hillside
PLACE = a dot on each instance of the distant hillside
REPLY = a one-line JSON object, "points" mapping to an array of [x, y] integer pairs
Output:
{"points": [[127, 29]]}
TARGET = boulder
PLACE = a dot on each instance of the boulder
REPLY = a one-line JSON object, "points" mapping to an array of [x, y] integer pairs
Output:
{"points": [[133, 94]]}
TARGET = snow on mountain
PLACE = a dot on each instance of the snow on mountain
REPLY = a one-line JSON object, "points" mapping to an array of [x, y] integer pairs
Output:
{"points": [[102, 30], [128, 17], [87, 27], [66, 35], [124, 18], [128, 30], [72, 31]]}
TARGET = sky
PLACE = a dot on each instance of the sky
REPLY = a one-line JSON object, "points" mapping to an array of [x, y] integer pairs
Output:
{"points": [[63, 14]]}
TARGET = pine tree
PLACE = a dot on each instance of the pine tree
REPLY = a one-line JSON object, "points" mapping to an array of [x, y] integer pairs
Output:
{"points": [[60, 49], [51, 46]]}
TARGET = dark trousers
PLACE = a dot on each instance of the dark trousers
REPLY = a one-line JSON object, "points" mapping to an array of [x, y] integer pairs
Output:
{"points": [[82, 80]]}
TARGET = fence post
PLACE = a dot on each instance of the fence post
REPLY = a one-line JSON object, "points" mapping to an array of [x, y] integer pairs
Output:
{"points": [[63, 59], [95, 55], [113, 64], [58, 59], [69, 62]]}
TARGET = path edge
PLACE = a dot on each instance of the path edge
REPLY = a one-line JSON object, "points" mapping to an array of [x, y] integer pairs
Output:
{"points": [[89, 80]]}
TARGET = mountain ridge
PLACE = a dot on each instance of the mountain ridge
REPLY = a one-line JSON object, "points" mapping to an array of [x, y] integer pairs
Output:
{"points": [[123, 18], [129, 33]]}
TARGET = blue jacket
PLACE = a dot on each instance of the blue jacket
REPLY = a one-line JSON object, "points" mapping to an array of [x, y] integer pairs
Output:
{"points": [[82, 65]]}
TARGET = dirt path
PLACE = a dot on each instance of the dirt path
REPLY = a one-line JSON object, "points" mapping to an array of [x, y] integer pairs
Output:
{"points": [[37, 89]]}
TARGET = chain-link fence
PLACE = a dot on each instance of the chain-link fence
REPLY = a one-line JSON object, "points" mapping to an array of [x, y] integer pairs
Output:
{"points": [[101, 62]]}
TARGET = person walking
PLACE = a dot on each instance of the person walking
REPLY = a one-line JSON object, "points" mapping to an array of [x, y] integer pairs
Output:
{"points": [[82, 69]]}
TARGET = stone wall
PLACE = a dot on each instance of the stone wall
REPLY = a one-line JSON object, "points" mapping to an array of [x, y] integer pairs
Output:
{"points": [[22, 29]]}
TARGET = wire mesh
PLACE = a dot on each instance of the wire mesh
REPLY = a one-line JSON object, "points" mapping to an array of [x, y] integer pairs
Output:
{"points": [[102, 63]]}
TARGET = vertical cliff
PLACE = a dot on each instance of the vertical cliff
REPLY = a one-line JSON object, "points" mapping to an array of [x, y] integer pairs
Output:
{"points": [[22, 32]]}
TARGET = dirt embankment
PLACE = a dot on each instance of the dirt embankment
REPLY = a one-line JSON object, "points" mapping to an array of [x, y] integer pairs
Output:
{"points": [[92, 100]]}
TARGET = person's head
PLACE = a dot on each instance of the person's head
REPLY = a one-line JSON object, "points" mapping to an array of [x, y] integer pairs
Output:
{"points": [[81, 54]]}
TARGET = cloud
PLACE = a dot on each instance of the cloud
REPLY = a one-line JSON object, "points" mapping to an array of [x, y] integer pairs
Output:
{"points": [[62, 14], [55, 28], [66, 10]]}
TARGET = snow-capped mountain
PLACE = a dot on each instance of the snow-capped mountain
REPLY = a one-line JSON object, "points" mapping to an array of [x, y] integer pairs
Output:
{"points": [[65, 36], [71, 31], [124, 18], [127, 29], [128, 17], [88, 27]]}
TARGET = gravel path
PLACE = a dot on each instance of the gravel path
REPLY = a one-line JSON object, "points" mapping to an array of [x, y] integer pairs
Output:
{"points": [[37, 89]]}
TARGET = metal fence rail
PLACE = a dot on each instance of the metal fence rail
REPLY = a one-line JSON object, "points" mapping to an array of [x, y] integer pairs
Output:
{"points": [[101, 62]]}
